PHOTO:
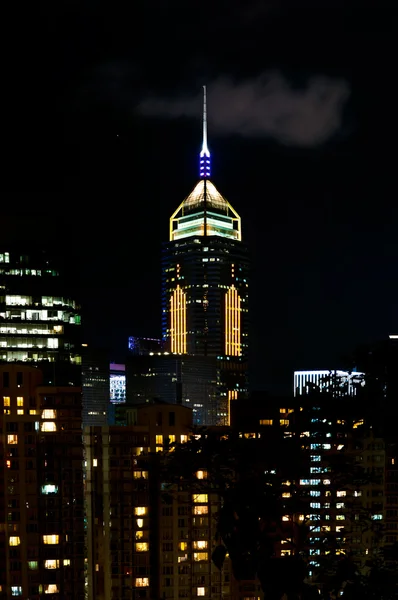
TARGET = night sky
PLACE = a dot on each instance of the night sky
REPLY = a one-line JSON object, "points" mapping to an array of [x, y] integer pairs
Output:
{"points": [[101, 132]]}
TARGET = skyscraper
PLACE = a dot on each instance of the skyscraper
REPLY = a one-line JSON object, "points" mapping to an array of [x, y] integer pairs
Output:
{"points": [[39, 315], [205, 279]]}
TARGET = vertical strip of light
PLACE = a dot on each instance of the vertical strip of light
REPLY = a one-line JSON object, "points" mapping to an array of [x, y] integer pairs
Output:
{"points": [[172, 324], [178, 321], [232, 322]]}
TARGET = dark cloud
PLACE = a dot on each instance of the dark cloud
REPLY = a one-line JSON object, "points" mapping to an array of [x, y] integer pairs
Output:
{"points": [[268, 106]]}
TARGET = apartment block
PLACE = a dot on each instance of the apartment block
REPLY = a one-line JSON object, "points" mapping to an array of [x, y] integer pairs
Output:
{"points": [[143, 542], [41, 488]]}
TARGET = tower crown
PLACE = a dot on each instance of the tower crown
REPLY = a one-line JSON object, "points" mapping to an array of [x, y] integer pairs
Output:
{"points": [[205, 211]]}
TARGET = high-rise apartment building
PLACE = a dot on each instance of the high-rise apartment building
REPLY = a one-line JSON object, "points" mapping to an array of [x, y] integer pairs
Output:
{"points": [[139, 545], [41, 488], [39, 315], [205, 279]]}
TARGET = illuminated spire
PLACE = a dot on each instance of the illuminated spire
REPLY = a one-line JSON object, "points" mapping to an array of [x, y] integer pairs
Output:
{"points": [[204, 156]]}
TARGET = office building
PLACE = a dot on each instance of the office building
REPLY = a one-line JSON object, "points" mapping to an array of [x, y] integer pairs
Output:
{"points": [[95, 385], [142, 346], [41, 488], [117, 381], [191, 381], [39, 315], [307, 380], [205, 280]]}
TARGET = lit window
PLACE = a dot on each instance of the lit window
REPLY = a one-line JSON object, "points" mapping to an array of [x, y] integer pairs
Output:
{"points": [[49, 413], [33, 411], [199, 545], [142, 582], [201, 474], [286, 495], [285, 518], [14, 540], [357, 424], [49, 488], [284, 421], [51, 564], [140, 474], [286, 552], [339, 504], [139, 535], [172, 439], [200, 498], [341, 494], [197, 556], [266, 421], [340, 517], [95, 462], [357, 494], [140, 523], [184, 439], [7, 411], [16, 590], [159, 448], [141, 510], [51, 588], [200, 510], [378, 517], [6, 401], [48, 426], [159, 439], [33, 565], [66, 562], [183, 546], [142, 547], [19, 411], [200, 591], [51, 539], [19, 401], [12, 438]]}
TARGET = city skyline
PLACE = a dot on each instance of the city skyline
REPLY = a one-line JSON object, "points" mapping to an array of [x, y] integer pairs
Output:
{"points": [[310, 177]]}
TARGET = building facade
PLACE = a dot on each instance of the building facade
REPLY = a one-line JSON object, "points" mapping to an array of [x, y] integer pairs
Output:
{"points": [[41, 488], [205, 280], [95, 385], [39, 316], [187, 380], [139, 545], [307, 380]]}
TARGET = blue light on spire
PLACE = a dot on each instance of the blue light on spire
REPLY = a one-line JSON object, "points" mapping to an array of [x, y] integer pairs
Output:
{"points": [[204, 156]]}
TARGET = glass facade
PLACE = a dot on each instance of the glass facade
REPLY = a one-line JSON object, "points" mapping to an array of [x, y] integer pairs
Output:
{"points": [[39, 317]]}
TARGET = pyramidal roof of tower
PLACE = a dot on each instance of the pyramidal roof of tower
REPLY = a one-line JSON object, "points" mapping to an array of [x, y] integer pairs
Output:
{"points": [[214, 200]]}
